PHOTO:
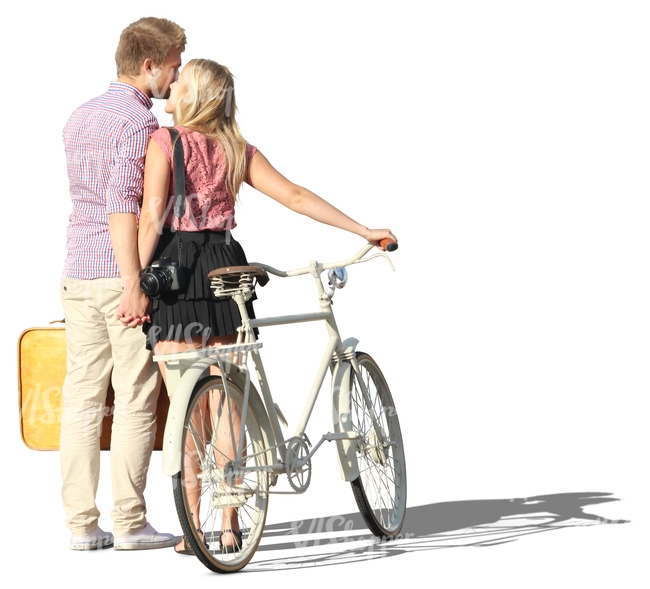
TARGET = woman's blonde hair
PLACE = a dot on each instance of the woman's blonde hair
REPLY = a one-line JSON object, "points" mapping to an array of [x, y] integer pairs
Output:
{"points": [[206, 103]]}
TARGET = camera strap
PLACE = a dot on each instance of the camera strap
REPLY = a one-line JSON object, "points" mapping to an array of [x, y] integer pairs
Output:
{"points": [[179, 174], [178, 194]]}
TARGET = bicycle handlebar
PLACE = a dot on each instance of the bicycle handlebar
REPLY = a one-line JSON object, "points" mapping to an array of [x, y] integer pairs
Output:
{"points": [[386, 243]]}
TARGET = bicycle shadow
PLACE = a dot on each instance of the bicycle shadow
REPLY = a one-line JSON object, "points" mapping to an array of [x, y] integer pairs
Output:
{"points": [[331, 540]]}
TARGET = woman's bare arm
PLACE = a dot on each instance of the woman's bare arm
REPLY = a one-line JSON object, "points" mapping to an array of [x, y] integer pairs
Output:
{"points": [[157, 172], [264, 177]]}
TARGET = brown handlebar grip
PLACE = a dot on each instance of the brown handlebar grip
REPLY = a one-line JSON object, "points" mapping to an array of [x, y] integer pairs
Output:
{"points": [[388, 244]]}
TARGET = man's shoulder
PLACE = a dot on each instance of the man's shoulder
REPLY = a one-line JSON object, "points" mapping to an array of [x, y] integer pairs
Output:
{"points": [[121, 108]]}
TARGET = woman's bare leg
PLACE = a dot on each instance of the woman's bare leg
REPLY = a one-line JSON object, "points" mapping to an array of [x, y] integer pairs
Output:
{"points": [[198, 421], [227, 444]]}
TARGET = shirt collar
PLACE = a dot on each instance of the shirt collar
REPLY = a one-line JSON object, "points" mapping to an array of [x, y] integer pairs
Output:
{"points": [[122, 88]]}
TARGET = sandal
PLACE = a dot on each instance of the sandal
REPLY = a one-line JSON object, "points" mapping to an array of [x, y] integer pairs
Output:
{"points": [[236, 547], [188, 550]]}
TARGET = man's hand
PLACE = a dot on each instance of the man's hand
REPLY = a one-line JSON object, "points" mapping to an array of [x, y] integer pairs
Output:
{"points": [[134, 307]]}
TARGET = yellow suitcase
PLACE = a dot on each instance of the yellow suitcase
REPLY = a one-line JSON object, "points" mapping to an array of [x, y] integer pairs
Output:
{"points": [[41, 370]]}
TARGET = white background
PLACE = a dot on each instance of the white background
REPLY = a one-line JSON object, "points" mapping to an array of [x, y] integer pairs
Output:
{"points": [[506, 145]]}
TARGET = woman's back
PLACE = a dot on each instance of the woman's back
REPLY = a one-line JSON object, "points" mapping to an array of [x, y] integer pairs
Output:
{"points": [[209, 203]]}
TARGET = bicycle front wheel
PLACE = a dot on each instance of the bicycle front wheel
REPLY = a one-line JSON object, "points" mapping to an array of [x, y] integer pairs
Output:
{"points": [[380, 488], [221, 494]]}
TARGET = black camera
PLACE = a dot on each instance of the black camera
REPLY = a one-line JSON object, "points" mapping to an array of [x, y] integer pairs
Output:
{"points": [[163, 275]]}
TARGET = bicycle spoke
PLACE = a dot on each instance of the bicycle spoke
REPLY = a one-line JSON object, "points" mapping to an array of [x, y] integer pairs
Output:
{"points": [[216, 496], [380, 487]]}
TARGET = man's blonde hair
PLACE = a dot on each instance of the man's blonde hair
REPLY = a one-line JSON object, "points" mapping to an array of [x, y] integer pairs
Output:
{"points": [[148, 38]]}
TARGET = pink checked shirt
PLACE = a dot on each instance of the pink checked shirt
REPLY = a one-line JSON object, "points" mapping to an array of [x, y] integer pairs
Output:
{"points": [[105, 143]]}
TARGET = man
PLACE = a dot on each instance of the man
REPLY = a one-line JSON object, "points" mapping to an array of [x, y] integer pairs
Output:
{"points": [[105, 143]]}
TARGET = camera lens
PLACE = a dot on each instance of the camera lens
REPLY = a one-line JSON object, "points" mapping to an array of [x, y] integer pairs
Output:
{"points": [[154, 282]]}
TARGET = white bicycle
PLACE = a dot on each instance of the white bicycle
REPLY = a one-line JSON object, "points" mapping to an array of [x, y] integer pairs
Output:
{"points": [[223, 441]]}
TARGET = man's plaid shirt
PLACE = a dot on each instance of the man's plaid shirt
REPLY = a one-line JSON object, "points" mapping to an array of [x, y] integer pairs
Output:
{"points": [[105, 144]]}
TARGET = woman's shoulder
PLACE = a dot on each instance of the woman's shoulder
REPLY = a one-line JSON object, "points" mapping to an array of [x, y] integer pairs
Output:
{"points": [[195, 140], [192, 141], [165, 134], [191, 134], [163, 138]]}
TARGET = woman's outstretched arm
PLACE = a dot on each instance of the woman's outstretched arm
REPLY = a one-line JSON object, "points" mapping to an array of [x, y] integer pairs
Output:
{"points": [[157, 173], [264, 177]]}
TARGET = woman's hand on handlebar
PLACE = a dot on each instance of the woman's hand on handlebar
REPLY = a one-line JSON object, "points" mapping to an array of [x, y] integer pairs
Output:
{"points": [[381, 238]]}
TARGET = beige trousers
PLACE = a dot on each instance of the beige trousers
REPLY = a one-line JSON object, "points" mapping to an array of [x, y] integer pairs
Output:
{"points": [[100, 348]]}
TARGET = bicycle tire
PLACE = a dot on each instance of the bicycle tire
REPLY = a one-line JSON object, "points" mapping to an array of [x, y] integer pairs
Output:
{"points": [[210, 484], [380, 488]]}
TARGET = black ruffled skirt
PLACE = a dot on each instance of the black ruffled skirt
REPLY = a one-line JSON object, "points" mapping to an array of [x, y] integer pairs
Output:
{"points": [[195, 311]]}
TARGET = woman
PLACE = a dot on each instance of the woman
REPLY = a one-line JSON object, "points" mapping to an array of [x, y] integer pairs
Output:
{"points": [[217, 161]]}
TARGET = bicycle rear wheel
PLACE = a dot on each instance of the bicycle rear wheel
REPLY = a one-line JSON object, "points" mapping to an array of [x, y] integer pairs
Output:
{"points": [[221, 502], [380, 488]]}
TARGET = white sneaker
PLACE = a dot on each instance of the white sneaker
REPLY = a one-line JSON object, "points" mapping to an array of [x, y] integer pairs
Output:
{"points": [[146, 539], [98, 538]]}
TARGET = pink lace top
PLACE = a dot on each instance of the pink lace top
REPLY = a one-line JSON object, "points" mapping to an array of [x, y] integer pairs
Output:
{"points": [[209, 205]]}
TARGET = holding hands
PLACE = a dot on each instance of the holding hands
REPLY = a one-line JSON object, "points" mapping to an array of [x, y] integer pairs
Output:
{"points": [[134, 307]]}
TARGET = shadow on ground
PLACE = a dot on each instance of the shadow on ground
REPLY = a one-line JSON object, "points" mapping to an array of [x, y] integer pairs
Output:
{"points": [[338, 539]]}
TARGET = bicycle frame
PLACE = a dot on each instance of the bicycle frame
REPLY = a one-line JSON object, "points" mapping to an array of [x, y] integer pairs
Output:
{"points": [[184, 370]]}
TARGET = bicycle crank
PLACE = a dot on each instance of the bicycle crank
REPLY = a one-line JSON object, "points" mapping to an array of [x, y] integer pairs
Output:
{"points": [[298, 465]]}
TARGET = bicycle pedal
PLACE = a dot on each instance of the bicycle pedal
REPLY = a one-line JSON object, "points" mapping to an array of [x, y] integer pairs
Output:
{"points": [[281, 416], [235, 499]]}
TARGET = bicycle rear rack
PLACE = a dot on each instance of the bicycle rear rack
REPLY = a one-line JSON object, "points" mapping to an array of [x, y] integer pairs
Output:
{"points": [[223, 351]]}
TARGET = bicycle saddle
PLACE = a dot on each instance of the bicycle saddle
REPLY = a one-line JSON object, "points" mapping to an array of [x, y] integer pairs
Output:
{"points": [[232, 273]]}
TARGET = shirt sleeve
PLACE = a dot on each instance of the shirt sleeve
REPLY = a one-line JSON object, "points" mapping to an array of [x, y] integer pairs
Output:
{"points": [[164, 141], [126, 182], [251, 150]]}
